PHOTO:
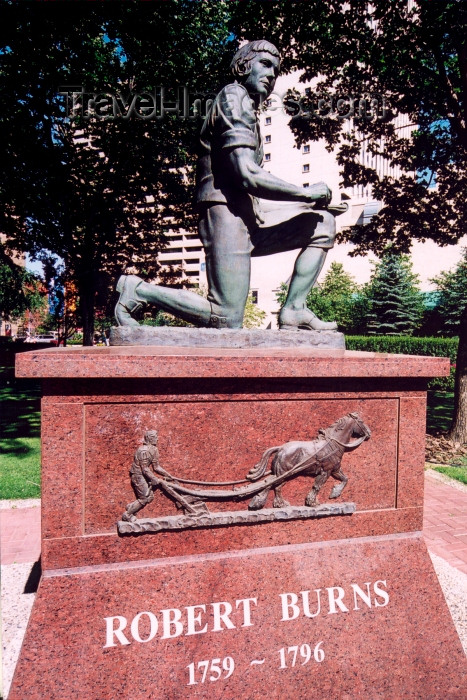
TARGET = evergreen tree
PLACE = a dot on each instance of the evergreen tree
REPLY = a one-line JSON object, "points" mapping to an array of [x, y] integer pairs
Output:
{"points": [[396, 304], [452, 286]]}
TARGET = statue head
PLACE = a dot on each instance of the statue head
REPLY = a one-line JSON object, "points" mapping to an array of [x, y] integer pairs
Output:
{"points": [[246, 59], [150, 437]]}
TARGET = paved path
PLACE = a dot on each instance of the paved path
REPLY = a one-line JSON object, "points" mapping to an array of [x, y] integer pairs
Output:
{"points": [[20, 533], [444, 527], [445, 522]]}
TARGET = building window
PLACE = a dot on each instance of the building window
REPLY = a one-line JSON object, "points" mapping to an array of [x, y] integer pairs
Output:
{"points": [[254, 296], [306, 184], [306, 148], [267, 121], [306, 168], [267, 157], [267, 138]]}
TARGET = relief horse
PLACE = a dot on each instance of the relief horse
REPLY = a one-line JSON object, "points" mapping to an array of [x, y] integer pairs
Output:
{"points": [[320, 458]]}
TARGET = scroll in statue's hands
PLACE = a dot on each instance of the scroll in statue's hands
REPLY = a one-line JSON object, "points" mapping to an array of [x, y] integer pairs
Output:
{"points": [[319, 194]]}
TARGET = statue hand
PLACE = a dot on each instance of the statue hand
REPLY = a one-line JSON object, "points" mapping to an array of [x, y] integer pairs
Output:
{"points": [[166, 476], [320, 194]]}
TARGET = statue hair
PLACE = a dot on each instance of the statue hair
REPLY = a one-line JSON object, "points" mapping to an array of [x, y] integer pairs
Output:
{"points": [[241, 62]]}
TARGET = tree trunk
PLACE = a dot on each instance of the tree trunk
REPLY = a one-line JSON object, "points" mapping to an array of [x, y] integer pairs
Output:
{"points": [[458, 432], [87, 294]]}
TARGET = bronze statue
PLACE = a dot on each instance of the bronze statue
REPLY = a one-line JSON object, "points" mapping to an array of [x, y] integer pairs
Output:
{"points": [[320, 458], [234, 224]]}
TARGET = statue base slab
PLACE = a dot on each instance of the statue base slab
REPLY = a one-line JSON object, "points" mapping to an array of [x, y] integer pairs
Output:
{"points": [[339, 606], [224, 338]]}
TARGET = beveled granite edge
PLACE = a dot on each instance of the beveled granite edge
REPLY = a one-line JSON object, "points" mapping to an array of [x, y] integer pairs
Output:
{"points": [[130, 362]]}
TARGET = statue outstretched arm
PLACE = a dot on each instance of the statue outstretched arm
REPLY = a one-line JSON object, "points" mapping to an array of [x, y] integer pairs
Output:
{"points": [[249, 176], [160, 470], [151, 474]]}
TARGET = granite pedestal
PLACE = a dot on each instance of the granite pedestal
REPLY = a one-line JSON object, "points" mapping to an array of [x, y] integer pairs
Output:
{"points": [[345, 606]]}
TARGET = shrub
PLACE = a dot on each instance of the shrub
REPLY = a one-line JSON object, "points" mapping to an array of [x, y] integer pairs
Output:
{"points": [[409, 345]]}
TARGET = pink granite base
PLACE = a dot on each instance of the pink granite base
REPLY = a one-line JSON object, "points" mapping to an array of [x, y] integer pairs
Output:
{"points": [[217, 411], [217, 433], [217, 437], [381, 629]]}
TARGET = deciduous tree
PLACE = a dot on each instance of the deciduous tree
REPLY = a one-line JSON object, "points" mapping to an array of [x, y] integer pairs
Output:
{"points": [[20, 290], [414, 54], [77, 187]]}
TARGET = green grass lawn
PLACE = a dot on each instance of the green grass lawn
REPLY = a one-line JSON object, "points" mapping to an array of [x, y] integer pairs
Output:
{"points": [[20, 420], [20, 468], [458, 473]]}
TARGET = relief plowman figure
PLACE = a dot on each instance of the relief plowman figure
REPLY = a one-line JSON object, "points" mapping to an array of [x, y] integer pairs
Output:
{"points": [[244, 212], [143, 474]]}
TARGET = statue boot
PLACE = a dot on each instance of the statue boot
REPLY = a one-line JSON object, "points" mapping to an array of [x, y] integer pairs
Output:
{"points": [[296, 319], [128, 302]]}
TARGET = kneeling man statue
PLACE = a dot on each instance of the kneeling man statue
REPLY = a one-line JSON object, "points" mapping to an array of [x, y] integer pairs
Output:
{"points": [[233, 224]]}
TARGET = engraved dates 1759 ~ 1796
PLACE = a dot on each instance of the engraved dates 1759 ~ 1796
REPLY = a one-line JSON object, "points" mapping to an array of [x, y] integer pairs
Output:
{"points": [[319, 458]]}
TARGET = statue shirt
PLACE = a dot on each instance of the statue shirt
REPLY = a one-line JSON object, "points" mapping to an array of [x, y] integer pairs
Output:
{"points": [[231, 123], [148, 453]]}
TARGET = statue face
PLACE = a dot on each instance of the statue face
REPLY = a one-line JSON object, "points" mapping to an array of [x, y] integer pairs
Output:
{"points": [[262, 77]]}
